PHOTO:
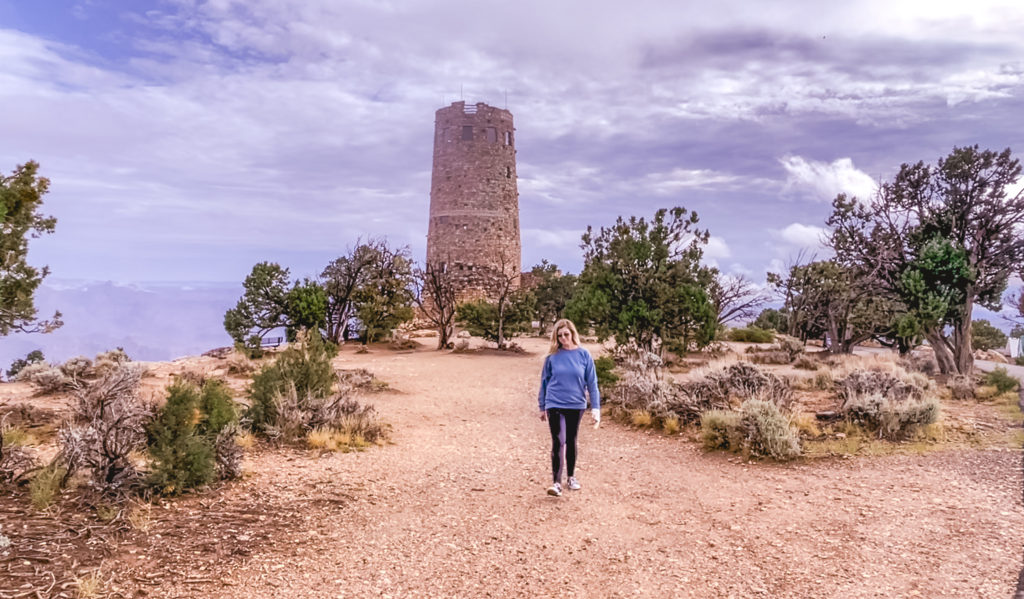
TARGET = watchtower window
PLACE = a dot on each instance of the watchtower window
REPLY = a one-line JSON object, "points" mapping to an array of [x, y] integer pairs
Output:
{"points": [[467, 132], [508, 138], [508, 172], [492, 135]]}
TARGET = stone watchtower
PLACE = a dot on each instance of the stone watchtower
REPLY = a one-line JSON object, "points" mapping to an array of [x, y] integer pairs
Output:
{"points": [[474, 201]]}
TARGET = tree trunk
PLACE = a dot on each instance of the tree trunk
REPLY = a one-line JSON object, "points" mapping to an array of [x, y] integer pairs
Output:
{"points": [[501, 327], [962, 353], [444, 334], [943, 357]]}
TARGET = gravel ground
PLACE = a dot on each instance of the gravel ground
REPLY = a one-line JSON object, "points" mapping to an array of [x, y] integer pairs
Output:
{"points": [[455, 506]]}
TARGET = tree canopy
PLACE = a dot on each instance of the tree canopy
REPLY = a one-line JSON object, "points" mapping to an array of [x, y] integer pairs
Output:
{"points": [[642, 282], [939, 239], [21, 197]]}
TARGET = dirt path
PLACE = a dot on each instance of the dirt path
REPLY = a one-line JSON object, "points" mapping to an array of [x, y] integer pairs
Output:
{"points": [[455, 507]]}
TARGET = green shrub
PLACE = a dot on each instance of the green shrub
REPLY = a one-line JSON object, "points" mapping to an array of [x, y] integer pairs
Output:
{"points": [[1019, 360], [720, 429], [751, 335], [606, 376], [1000, 379], [304, 367], [767, 432], [183, 437]]}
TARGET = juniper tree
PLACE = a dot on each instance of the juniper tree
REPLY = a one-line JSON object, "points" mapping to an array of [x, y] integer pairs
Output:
{"points": [[21, 196]]}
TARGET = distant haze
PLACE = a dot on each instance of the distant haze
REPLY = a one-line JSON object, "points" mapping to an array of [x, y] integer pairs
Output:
{"points": [[150, 321]]}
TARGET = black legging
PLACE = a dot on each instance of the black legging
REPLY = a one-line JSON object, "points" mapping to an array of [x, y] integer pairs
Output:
{"points": [[564, 425]]}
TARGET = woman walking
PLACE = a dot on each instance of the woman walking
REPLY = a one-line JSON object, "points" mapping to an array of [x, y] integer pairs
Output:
{"points": [[568, 374]]}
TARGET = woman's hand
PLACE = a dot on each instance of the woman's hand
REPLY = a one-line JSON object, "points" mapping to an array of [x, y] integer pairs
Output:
{"points": [[543, 415], [596, 415]]}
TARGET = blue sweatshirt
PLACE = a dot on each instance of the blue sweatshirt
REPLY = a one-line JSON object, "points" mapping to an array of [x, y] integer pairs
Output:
{"points": [[566, 374]]}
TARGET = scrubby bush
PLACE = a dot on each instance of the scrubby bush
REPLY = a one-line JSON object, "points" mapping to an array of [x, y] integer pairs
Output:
{"points": [[872, 382], [1001, 380], [923, 363], [883, 402], [751, 334], [783, 351], [791, 345], [77, 369], [33, 357], [109, 360], [296, 416], [183, 437], [758, 429], [108, 426], [767, 432], [46, 378], [769, 357], [892, 418], [720, 429], [361, 379], [304, 367], [15, 460], [716, 390]]}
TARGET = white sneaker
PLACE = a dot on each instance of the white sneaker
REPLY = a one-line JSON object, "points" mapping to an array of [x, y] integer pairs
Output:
{"points": [[574, 485], [555, 490]]}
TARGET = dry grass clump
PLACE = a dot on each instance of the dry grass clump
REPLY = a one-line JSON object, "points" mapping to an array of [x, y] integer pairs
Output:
{"points": [[361, 379], [46, 484], [805, 362], [241, 364], [961, 387], [769, 357], [823, 380]]}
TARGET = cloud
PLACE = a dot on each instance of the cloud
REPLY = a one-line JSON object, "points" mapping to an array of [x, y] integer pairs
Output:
{"points": [[716, 249], [804, 236], [552, 238], [824, 181]]}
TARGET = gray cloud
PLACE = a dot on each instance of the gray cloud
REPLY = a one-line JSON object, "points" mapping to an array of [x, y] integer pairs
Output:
{"points": [[228, 132]]}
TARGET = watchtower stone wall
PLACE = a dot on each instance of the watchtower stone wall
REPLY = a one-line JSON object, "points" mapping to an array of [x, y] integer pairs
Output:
{"points": [[474, 200]]}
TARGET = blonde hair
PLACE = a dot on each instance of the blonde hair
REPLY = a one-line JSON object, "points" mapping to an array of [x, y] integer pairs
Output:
{"points": [[563, 323]]}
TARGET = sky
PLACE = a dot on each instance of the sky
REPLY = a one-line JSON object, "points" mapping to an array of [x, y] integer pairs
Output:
{"points": [[187, 140]]}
